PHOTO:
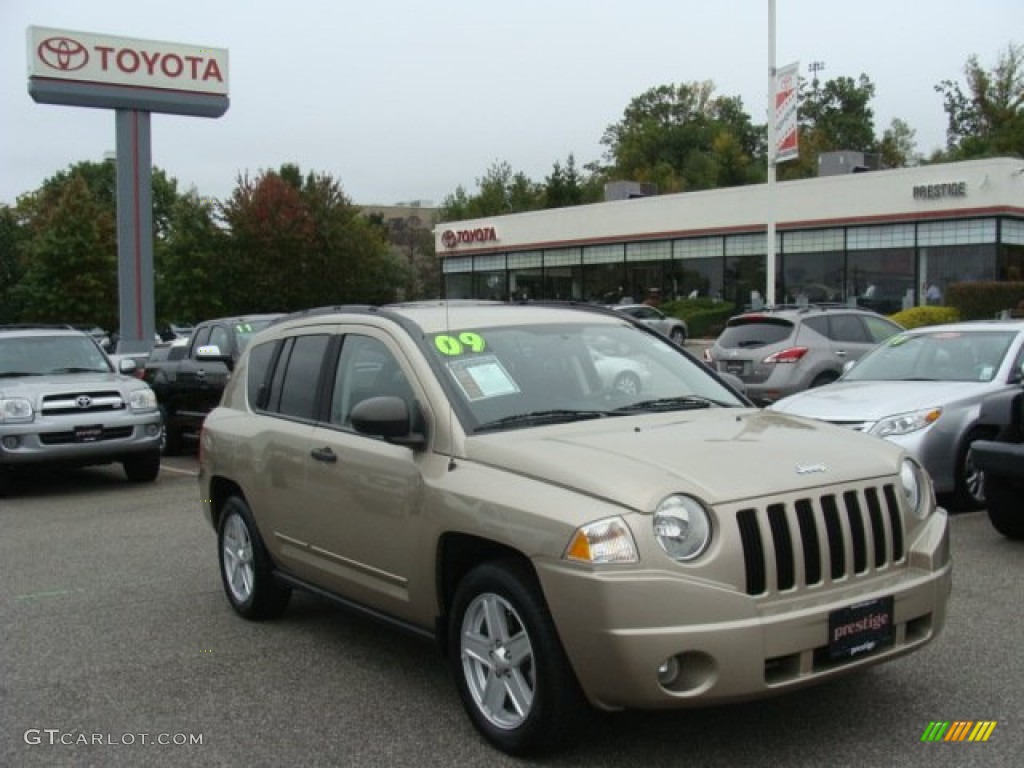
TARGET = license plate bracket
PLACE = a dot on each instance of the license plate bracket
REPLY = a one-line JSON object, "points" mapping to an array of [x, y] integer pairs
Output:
{"points": [[88, 433], [860, 628]]}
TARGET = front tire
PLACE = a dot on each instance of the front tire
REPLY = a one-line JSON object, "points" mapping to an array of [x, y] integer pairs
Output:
{"points": [[245, 567], [511, 671], [969, 488], [143, 468], [1005, 509], [170, 438]]}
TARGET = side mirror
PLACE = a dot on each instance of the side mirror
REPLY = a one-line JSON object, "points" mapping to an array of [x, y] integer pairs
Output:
{"points": [[127, 366], [387, 417], [210, 353]]}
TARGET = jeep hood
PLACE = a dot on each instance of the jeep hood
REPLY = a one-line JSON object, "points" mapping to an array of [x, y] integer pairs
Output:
{"points": [[719, 455]]}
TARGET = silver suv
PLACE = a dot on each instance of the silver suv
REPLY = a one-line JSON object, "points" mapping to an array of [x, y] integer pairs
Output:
{"points": [[63, 404], [777, 352], [467, 472]]}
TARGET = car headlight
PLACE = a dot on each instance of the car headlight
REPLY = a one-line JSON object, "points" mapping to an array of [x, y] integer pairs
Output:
{"points": [[603, 541], [915, 488], [15, 410], [682, 527], [905, 423], [142, 400]]}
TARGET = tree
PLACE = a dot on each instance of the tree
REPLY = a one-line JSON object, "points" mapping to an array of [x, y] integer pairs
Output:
{"points": [[10, 264], [898, 148], [294, 242], [988, 119], [684, 137], [70, 249], [832, 117], [187, 273]]}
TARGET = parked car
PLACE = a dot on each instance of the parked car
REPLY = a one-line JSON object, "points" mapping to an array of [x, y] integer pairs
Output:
{"points": [[1001, 460], [463, 471], [923, 389], [63, 404], [777, 352], [188, 383], [654, 318]]}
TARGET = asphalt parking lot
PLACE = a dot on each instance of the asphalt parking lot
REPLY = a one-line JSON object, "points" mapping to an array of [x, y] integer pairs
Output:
{"points": [[117, 648]]}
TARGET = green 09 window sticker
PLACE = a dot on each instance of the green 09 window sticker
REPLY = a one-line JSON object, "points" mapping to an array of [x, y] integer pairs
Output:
{"points": [[453, 345]]}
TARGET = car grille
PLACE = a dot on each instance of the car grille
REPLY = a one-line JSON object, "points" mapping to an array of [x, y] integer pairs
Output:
{"points": [[82, 402], [831, 537], [64, 438]]}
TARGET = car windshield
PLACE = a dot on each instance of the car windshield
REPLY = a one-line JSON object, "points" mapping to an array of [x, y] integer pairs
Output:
{"points": [[530, 375], [935, 356], [45, 355], [248, 329]]}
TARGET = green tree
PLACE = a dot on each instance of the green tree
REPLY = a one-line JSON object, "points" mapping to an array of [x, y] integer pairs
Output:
{"points": [[499, 191], [684, 137], [566, 186], [10, 264], [186, 282], [898, 148], [70, 250], [986, 119], [836, 115]]}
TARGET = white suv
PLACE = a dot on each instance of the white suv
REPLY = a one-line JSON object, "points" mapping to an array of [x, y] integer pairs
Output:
{"points": [[63, 403]]}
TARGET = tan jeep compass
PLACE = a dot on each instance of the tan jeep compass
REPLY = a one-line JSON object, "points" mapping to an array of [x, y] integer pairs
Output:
{"points": [[467, 471]]}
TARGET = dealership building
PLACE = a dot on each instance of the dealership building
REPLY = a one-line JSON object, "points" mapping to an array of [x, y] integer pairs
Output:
{"points": [[886, 239]]}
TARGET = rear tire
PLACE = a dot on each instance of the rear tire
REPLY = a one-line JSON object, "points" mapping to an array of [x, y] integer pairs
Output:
{"points": [[510, 669], [1005, 505], [170, 438], [245, 567]]}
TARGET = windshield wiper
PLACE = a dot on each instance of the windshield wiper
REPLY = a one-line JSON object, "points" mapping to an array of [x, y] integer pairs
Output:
{"points": [[533, 418], [681, 403], [12, 374]]}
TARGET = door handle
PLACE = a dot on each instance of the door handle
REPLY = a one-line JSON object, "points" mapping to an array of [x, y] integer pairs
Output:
{"points": [[324, 454], [840, 353]]}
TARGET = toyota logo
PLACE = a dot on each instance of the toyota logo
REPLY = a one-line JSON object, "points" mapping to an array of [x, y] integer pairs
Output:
{"points": [[83, 401], [449, 239], [63, 53]]}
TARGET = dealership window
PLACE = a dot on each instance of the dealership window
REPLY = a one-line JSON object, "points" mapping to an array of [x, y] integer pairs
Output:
{"points": [[526, 275], [811, 267], [955, 252], [458, 277], [1011, 253], [745, 268], [880, 266], [489, 277], [563, 273], [697, 267], [646, 265], [604, 273]]}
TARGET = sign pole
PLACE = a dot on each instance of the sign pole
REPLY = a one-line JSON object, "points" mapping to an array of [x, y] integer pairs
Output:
{"points": [[770, 189]]}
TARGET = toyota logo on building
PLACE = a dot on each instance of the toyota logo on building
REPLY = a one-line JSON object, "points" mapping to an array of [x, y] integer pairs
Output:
{"points": [[83, 401], [63, 53], [449, 239]]}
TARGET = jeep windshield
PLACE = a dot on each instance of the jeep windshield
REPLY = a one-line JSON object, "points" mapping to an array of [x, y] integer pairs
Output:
{"points": [[513, 377], [36, 355]]}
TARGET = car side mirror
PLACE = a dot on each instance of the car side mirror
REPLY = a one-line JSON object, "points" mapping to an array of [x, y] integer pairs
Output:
{"points": [[387, 417], [210, 353], [127, 366]]}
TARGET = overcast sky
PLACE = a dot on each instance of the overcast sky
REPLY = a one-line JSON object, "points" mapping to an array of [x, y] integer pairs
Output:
{"points": [[403, 100]]}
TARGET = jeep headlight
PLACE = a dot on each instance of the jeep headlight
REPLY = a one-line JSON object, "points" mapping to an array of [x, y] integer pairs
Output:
{"points": [[603, 541], [915, 488], [682, 527], [905, 423], [15, 410], [142, 400]]}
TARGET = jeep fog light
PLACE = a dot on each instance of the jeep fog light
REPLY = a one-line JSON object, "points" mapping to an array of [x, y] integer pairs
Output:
{"points": [[11, 442], [604, 541], [668, 671], [682, 527], [914, 488]]}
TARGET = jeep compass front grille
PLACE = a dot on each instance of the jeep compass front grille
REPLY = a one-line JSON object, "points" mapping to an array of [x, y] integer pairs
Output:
{"points": [[830, 537]]}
